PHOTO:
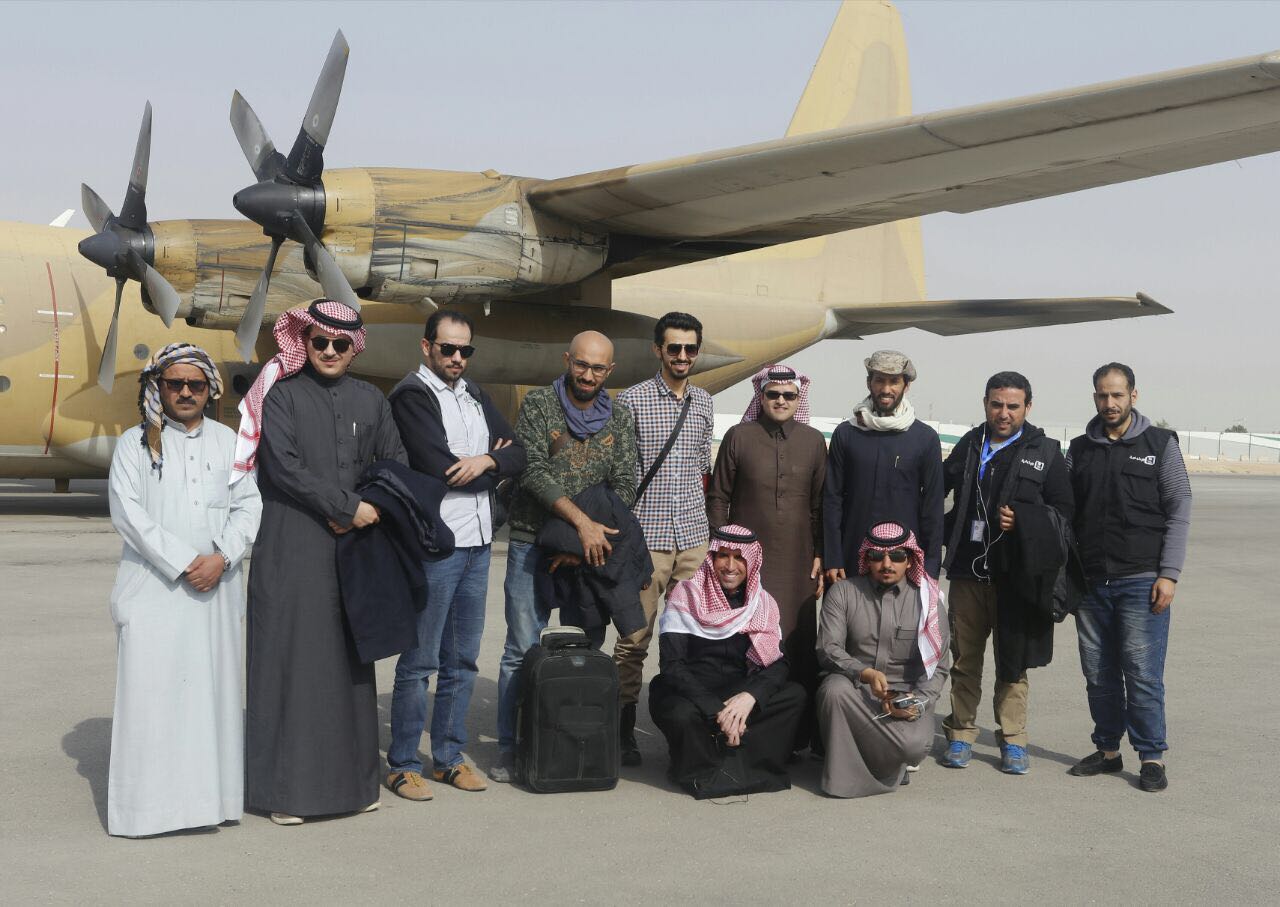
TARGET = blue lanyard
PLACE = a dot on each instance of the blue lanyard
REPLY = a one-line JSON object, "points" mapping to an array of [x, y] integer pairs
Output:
{"points": [[988, 452]]}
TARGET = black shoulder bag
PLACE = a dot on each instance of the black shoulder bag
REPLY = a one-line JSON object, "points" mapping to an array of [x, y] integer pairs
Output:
{"points": [[666, 448]]}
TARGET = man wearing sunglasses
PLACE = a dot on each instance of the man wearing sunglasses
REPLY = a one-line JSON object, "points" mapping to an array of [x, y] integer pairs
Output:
{"points": [[769, 475], [999, 473], [177, 750], [310, 429], [575, 436], [883, 637], [674, 421], [451, 430]]}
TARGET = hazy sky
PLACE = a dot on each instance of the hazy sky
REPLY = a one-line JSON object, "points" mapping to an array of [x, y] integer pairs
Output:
{"points": [[559, 88]]}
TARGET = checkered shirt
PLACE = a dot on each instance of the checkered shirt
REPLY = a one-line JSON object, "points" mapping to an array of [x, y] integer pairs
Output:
{"points": [[673, 511]]}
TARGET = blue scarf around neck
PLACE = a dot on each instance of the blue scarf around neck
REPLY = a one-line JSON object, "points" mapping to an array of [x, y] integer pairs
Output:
{"points": [[583, 423]]}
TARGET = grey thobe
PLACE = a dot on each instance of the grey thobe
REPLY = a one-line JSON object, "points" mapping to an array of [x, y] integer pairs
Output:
{"points": [[311, 727], [863, 627], [768, 478]]}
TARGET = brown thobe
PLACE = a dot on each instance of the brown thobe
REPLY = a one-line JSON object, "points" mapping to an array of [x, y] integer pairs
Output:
{"points": [[768, 478], [863, 626]]}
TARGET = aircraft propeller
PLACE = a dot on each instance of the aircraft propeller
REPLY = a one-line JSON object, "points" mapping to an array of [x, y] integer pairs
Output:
{"points": [[288, 200], [125, 248]]}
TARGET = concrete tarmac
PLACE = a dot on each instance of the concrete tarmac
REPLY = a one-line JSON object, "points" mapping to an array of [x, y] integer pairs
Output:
{"points": [[950, 836]]}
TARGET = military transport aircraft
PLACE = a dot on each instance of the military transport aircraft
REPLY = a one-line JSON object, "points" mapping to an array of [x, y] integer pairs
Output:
{"points": [[822, 223]]}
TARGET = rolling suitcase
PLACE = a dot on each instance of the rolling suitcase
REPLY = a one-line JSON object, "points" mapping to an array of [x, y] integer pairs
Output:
{"points": [[567, 724]]}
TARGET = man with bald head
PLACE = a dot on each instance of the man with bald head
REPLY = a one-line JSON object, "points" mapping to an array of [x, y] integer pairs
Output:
{"points": [[575, 436]]}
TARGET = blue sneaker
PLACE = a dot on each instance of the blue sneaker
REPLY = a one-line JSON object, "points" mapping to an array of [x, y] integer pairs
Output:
{"points": [[958, 754], [1014, 760]]}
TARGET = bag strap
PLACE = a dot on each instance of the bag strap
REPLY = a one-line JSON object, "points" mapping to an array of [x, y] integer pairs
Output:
{"points": [[666, 448]]}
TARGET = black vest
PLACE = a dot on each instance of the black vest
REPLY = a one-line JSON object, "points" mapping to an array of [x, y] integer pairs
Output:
{"points": [[1120, 521]]}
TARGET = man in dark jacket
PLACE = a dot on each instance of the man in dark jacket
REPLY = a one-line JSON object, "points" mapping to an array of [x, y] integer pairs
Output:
{"points": [[1133, 515], [883, 464], [996, 471], [453, 432]]}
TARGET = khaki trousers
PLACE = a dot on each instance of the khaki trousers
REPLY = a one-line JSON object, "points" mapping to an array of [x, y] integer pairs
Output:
{"points": [[972, 607], [669, 567]]}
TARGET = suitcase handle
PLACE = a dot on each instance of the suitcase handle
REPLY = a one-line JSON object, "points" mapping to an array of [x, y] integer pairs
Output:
{"points": [[563, 638]]}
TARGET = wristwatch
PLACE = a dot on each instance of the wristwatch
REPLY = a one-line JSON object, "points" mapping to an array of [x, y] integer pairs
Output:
{"points": [[226, 561]]}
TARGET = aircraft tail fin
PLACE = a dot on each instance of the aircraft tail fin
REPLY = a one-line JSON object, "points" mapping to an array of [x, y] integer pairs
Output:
{"points": [[861, 76]]}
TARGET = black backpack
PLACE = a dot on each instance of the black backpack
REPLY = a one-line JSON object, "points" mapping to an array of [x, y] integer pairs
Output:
{"points": [[567, 724]]}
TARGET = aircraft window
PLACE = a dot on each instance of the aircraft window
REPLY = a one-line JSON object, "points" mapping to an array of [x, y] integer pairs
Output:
{"points": [[141, 352], [4, 383]]}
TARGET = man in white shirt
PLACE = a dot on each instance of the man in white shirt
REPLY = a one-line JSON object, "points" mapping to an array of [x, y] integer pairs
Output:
{"points": [[451, 430], [177, 738]]}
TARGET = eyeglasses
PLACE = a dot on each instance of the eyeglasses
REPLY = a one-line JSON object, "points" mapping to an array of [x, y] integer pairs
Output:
{"points": [[582, 367], [176, 385], [448, 349], [897, 555], [690, 349], [785, 395], [340, 344]]}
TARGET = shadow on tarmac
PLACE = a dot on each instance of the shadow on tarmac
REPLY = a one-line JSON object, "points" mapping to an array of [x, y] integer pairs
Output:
{"points": [[89, 743]]}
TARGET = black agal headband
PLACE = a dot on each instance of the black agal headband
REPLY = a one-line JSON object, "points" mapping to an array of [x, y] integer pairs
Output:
{"points": [[338, 323], [743, 538], [878, 542]]}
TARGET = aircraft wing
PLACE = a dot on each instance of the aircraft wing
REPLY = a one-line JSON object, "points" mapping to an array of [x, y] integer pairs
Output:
{"points": [[959, 160], [950, 317]]}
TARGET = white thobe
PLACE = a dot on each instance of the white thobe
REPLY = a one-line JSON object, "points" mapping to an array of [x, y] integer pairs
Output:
{"points": [[177, 741], [468, 514]]}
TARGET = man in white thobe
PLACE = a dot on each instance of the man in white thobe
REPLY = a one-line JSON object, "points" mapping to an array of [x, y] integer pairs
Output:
{"points": [[177, 740]]}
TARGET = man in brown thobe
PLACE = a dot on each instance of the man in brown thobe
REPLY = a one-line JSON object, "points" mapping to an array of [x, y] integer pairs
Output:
{"points": [[768, 477]]}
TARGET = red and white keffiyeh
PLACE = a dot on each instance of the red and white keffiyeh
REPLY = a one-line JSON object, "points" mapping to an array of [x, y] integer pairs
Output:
{"points": [[699, 606], [290, 331], [886, 536], [778, 374]]}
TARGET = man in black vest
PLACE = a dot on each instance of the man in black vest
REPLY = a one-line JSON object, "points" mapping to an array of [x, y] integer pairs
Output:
{"points": [[1133, 516], [996, 470]]}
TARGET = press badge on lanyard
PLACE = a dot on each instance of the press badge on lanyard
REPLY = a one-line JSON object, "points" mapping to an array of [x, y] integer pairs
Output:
{"points": [[977, 530]]}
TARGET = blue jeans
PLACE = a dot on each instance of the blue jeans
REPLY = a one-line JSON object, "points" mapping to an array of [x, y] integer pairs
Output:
{"points": [[1122, 649], [449, 631], [526, 616]]}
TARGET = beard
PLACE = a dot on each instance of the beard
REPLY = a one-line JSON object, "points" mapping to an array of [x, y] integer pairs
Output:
{"points": [[582, 396]]}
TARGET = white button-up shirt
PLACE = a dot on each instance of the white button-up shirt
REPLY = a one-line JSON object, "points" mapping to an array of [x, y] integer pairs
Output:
{"points": [[466, 513]]}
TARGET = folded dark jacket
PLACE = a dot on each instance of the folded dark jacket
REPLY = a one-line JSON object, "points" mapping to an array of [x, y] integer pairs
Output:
{"points": [[380, 567], [589, 596]]}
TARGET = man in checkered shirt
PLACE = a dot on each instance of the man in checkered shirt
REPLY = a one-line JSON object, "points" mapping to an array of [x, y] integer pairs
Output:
{"points": [[672, 511]]}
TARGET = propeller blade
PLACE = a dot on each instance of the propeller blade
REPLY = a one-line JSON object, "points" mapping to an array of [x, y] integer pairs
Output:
{"points": [[95, 208], [306, 161], [257, 146], [107, 366], [331, 277], [133, 213], [164, 298], [251, 320]]}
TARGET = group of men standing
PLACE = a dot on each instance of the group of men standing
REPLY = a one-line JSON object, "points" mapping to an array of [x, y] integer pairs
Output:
{"points": [[187, 495]]}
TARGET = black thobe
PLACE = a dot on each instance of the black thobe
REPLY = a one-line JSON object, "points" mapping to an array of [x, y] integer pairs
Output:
{"points": [[697, 676], [311, 726], [769, 478], [878, 476]]}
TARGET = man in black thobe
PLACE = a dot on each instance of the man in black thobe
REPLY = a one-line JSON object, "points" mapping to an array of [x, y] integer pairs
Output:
{"points": [[312, 719]]}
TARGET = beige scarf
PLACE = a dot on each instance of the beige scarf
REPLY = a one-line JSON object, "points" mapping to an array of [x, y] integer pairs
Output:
{"points": [[864, 417]]}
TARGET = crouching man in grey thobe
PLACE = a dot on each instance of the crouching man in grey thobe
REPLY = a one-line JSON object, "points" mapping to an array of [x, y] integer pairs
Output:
{"points": [[881, 635], [177, 739]]}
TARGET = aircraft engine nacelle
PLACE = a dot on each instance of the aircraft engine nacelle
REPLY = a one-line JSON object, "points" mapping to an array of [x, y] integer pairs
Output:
{"points": [[453, 236]]}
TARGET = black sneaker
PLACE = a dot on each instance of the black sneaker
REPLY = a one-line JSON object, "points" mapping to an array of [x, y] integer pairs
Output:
{"points": [[1152, 777], [627, 735], [1096, 764]]}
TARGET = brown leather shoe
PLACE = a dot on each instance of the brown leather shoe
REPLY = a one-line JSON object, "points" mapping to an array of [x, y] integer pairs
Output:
{"points": [[410, 785], [461, 776]]}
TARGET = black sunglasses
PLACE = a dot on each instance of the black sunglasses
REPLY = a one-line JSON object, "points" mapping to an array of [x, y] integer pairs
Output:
{"points": [[197, 385], [785, 395], [340, 344], [897, 555], [448, 349], [690, 349]]}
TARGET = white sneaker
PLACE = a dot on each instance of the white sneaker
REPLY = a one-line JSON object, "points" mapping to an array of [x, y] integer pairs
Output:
{"points": [[914, 768], [372, 806]]}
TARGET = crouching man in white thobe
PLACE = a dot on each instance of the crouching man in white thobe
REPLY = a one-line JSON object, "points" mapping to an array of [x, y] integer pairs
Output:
{"points": [[177, 741]]}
